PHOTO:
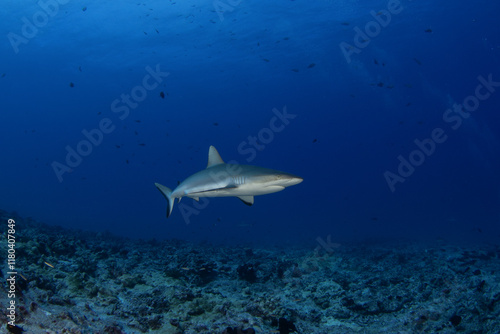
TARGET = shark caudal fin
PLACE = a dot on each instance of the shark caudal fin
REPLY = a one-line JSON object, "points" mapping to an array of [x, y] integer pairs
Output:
{"points": [[167, 193]]}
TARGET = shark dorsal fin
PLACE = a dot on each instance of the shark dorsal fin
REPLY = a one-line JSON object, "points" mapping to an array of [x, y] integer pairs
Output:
{"points": [[214, 157]]}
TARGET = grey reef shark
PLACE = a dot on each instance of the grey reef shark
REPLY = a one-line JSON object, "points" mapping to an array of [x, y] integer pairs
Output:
{"points": [[225, 180]]}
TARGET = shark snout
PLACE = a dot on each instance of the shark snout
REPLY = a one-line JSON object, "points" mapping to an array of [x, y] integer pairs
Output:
{"points": [[288, 180]]}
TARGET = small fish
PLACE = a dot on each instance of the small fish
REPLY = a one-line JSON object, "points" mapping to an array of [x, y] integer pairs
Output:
{"points": [[50, 265], [315, 140], [84, 9], [375, 61], [266, 60], [417, 61], [71, 84], [162, 95], [295, 70], [311, 65], [142, 144], [428, 30], [137, 120], [216, 124], [380, 84], [344, 23]]}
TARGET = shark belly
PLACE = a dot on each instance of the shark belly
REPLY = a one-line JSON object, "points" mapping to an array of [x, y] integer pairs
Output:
{"points": [[243, 190]]}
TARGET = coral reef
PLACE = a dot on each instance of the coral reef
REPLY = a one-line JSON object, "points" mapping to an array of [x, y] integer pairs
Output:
{"points": [[88, 282]]}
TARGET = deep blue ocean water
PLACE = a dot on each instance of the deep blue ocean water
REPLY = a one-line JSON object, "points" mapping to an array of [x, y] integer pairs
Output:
{"points": [[389, 110]]}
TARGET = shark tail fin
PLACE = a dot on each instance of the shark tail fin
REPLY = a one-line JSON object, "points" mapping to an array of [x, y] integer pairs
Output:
{"points": [[167, 192]]}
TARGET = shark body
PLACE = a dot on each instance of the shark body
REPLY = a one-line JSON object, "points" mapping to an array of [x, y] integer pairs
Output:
{"points": [[224, 180]]}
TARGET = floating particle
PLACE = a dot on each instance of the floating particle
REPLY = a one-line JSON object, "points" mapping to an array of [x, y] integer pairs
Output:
{"points": [[157, 31], [145, 33], [142, 144], [286, 38], [216, 124], [295, 70], [136, 133], [390, 86], [79, 68], [428, 30], [408, 104], [315, 140], [48, 264], [417, 61], [117, 146], [99, 113], [344, 23], [126, 161], [380, 84], [84, 9], [375, 61], [162, 95], [311, 65], [137, 121], [71, 84], [266, 60], [3, 75]]}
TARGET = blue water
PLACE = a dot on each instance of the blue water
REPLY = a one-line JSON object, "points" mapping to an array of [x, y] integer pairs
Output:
{"points": [[355, 103]]}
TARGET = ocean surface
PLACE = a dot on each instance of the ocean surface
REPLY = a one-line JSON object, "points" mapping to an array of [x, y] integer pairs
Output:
{"points": [[388, 110]]}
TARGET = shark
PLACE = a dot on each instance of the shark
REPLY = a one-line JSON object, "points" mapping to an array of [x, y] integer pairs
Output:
{"points": [[220, 179]]}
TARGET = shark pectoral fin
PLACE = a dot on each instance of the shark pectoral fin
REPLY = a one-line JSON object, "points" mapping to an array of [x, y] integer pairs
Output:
{"points": [[197, 199], [248, 200]]}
